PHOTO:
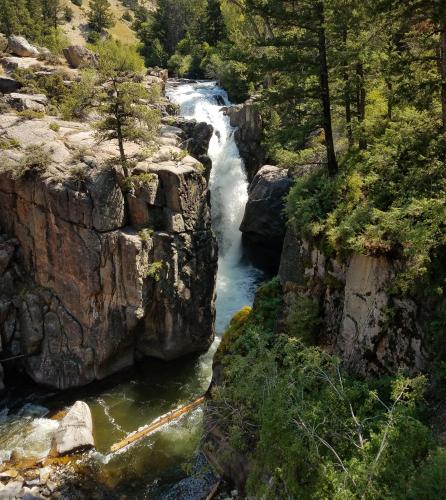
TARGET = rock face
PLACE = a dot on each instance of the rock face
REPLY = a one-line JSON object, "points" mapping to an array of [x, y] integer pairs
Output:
{"points": [[263, 222], [75, 432], [21, 47], [99, 275], [20, 102], [248, 136], [77, 56], [355, 305]]}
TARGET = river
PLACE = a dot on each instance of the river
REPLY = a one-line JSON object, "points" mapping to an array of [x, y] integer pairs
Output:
{"points": [[122, 403]]}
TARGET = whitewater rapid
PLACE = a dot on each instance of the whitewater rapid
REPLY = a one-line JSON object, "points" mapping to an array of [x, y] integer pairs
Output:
{"points": [[228, 184]]}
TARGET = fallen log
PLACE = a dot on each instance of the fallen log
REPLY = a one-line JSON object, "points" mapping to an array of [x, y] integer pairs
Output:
{"points": [[156, 425]]}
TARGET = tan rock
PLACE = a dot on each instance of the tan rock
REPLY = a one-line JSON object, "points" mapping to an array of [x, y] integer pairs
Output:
{"points": [[20, 46], [77, 56], [75, 432]]}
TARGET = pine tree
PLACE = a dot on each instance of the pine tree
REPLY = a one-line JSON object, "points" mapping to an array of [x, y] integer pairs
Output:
{"points": [[214, 28], [123, 101], [100, 16]]}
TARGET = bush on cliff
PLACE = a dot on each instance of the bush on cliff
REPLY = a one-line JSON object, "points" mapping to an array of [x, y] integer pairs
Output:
{"points": [[309, 430]]}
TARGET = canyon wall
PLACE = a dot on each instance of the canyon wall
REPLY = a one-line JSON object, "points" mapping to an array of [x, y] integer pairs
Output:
{"points": [[98, 270]]}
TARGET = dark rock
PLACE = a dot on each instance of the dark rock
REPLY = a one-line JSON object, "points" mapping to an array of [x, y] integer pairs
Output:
{"points": [[8, 84], [248, 136], [196, 136], [263, 223]]}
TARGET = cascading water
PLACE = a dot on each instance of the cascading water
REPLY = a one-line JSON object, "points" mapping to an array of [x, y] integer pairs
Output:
{"points": [[124, 402], [236, 279]]}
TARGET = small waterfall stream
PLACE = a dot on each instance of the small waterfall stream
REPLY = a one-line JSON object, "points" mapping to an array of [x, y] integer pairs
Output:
{"points": [[228, 184], [122, 403]]}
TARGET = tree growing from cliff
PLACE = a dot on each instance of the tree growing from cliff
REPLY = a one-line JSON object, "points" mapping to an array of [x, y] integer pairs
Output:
{"points": [[100, 16], [124, 102]]}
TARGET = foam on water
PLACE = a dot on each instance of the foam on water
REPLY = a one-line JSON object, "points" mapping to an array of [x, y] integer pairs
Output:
{"points": [[228, 184]]}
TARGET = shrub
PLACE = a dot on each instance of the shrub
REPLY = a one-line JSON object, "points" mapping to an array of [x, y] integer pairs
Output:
{"points": [[31, 114], [55, 127], [35, 160], [145, 234], [309, 430], [68, 14], [154, 270]]}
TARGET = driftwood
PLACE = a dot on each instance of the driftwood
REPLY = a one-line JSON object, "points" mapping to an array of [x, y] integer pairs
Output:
{"points": [[156, 424]]}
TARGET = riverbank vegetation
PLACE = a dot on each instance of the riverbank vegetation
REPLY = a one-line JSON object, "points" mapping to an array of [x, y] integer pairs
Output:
{"points": [[308, 429]]}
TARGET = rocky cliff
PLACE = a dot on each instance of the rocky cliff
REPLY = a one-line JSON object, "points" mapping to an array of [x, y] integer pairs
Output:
{"points": [[373, 332], [98, 270], [248, 136], [263, 225]]}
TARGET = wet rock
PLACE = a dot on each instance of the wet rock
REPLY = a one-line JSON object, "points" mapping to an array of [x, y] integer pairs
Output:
{"points": [[75, 432], [8, 84], [20, 102], [77, 56], [248, 136], [20, 46]]}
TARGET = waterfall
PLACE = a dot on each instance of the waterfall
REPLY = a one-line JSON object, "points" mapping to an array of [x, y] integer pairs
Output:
{"points": [[236, 279]]}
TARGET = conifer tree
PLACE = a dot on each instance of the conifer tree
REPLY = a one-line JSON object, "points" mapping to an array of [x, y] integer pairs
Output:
{"points": [[123, 100], [100, 16]]}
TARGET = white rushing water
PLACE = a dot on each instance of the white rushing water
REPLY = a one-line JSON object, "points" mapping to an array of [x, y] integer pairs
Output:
{"points": [[228, 184]]}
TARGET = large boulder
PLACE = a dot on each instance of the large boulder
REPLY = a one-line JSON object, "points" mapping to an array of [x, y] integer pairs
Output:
{"points": [[21, 47], [75, 432], [20, 102], [263, 222], [77, 56], [8, 84]]}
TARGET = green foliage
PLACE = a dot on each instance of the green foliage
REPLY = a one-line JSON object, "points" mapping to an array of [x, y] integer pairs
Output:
{"points": [[31, 114], [154, 270], [55, 127], [78, 102], [68, 14], [145, 234], [100, 16], [35, 160], [309, 430], [303, 319]]}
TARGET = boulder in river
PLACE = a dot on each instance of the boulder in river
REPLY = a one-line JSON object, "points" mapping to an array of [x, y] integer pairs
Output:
{"points": [[75, 432]]}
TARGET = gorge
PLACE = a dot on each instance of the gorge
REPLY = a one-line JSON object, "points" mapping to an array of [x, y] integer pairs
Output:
{"points": [[125, 402]]}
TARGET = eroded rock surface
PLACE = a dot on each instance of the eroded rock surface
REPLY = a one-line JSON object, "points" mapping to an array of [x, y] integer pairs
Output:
{"points": [[263, 221], [373, 332], [248, 136], [100, 273], [20, 46]]}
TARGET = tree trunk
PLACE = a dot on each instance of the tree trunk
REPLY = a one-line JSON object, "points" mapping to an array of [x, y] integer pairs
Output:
{"points": [[360, 96], [332, 163], [347, 98], [443, 70], [389, 98]]}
